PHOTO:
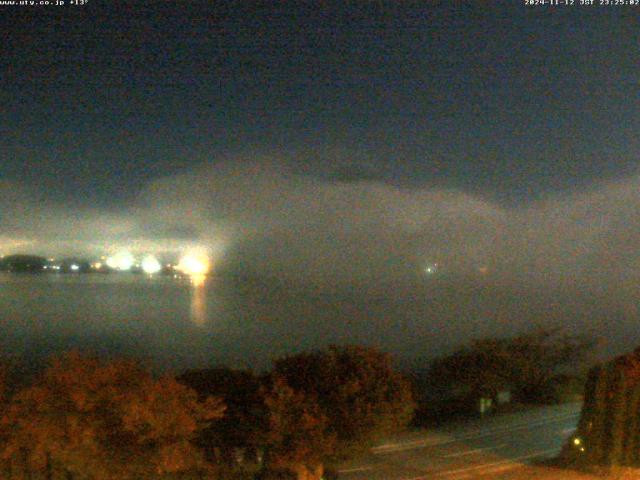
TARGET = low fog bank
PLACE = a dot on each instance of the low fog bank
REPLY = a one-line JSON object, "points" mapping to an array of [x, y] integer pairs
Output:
{"points": [[325, 260]]}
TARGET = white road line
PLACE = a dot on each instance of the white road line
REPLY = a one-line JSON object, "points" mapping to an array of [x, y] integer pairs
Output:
{"points": [[475, 450], [497, 429], [397, 447], [412, 446], [356, 469], [502, 468], [516, 426]]}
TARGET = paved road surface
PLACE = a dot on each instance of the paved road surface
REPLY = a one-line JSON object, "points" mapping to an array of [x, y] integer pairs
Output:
{"points": [[474, 449]]}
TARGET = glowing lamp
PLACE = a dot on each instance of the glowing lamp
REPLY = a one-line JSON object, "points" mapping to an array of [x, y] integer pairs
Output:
{"points": [[150, 264], [194, 264], [121, 261]]}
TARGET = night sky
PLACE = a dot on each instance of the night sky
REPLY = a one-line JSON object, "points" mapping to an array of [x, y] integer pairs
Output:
{"points": [[344, 144]]}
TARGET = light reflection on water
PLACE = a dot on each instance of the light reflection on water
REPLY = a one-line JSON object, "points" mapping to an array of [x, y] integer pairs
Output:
{"points": [[198, 300], [161, 318], [229, 318], [176, 323]]}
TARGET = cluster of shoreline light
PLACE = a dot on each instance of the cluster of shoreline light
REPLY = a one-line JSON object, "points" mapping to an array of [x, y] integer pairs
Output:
{"points": [[191, 263]]}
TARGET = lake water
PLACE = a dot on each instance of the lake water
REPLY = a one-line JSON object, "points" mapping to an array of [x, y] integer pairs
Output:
{"points": [[180, 323], [153, 318], [174, 323]]}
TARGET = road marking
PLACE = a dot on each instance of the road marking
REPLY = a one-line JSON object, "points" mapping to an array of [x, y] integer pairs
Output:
{"points": [[567, 431], [356, 469], [518, 426], [475, 450], [397, 447], [497, 429], [502, 468]]}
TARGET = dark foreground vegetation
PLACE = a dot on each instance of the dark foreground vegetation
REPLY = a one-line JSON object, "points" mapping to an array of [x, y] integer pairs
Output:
{"points": [[544, 366], [83, 418], [608, 433]]}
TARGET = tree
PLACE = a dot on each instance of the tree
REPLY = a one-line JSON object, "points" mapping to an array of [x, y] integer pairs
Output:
{"points": [[297, 438], [355, 388], [3, 385], [245, 415], [477, 370], [104, 420], [3, 405], [530, 365], [608, 431]]}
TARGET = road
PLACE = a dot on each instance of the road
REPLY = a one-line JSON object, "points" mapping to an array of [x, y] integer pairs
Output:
{"points": [[475, 449]]}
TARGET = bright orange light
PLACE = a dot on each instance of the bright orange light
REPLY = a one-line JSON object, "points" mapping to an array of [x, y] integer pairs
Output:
{"points": [[194, 264]]}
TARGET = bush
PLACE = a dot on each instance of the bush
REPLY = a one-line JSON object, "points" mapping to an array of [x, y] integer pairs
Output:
{"points": [[533, 366], [91, 419]]}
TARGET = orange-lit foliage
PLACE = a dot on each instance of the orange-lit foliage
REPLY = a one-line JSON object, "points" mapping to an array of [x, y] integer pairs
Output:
{"points": [[631, 366], [3, 383], [357, 389], [3, 380], [104, 420], [297, 439]]}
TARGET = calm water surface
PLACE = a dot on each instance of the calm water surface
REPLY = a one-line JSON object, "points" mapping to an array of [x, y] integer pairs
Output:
{"points": [[179, 323], [174, 323], [171, 322]]}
